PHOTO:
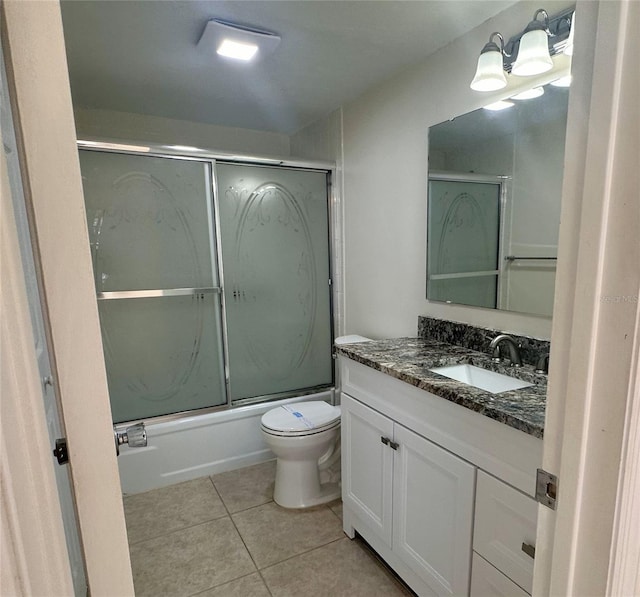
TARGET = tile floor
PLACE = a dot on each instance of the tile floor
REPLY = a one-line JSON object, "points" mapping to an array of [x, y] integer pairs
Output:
{"points": [[223, 536]]}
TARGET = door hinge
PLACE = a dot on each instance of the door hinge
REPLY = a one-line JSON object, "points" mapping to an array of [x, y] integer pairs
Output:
{"points": [[546, 489], [61, 453]]}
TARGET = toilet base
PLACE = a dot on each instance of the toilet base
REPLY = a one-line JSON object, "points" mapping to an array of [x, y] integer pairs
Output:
{"points": [[298, 485], [328, 493]]}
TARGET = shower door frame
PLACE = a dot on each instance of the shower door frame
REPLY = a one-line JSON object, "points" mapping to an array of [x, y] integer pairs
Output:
{"points": [[211, 158]]}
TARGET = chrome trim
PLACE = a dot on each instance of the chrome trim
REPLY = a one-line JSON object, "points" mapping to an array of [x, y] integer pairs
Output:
{"points": [[516, 258], [282, 395], [479, 274], [215, 206], [196, 153], [189, 414], [161, 292]]}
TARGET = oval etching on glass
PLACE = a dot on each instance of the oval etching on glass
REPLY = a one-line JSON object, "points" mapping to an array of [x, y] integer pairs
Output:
{"points": [[272, 242], [145, 226], [462, 219], [142, 223]]}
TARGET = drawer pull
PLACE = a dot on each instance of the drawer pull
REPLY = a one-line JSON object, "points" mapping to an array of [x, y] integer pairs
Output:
{"points": [[530, 550], [385, 440]]}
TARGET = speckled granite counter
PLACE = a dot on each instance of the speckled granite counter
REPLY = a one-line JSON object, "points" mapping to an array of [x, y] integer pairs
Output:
{"points": [[409, 360]]}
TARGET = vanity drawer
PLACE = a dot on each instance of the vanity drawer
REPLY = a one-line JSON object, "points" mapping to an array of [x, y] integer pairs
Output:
{"points": [[505, 523], [486, 581]]}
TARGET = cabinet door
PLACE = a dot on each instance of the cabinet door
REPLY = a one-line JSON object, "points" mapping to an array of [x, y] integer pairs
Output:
{"points": [[433, 513], [505, 522], [367, 466], [487, 581]]}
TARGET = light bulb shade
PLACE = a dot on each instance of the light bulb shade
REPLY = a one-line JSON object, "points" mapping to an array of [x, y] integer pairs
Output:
{"points": [[568, 49], [533, 54], [490, 72]]}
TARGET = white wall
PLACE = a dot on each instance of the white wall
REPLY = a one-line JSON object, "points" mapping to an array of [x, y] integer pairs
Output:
{"points": [[165, 131], [385, 165]]}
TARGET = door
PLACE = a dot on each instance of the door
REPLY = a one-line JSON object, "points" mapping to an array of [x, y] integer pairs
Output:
{"points": [[433, 512], [52, 414], [367, 466], [275, 256], [153, 247], [39, 85]]}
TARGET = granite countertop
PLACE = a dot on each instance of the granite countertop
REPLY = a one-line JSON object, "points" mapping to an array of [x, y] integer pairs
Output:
{"points": [[409, 360]]}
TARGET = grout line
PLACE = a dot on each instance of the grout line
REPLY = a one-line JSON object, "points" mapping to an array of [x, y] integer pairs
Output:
{"points": [[191, 526], [303, 552], [227, 582], [215, 489]]}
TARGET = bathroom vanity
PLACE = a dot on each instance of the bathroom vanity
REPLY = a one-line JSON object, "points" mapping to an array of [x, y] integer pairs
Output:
{"points": [[439, 476]]}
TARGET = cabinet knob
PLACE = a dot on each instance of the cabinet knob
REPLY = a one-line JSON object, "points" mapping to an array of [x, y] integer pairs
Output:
{"points": [[385, 440], [530, 550]]}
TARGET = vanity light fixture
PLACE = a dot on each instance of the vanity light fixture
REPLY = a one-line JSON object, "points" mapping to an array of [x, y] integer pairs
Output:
{"points": [[568, 49], [490, 72], [525, 54], [533, 52], [239, 42]]}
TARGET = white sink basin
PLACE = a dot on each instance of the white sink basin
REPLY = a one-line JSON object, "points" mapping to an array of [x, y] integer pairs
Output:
{"points": [[481, 378]]}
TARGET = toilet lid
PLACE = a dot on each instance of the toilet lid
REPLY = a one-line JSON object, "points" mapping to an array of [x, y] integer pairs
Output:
{"points": [[302, 417]]}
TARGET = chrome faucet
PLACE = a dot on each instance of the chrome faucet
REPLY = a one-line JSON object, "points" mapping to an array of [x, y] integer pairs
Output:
{"points": [[514, 352]]}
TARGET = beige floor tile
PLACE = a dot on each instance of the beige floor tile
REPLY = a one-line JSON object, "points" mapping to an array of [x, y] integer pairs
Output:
{"points": [[341, 569], [272, 533], [189, 561], [248, 586], [168, 509], [336, 508], [246, 487]]}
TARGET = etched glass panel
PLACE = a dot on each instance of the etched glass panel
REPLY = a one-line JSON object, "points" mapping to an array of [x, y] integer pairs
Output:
{"points": [[162, 355], [149, 221], [275, 256], [463, 237], [150, 229]]}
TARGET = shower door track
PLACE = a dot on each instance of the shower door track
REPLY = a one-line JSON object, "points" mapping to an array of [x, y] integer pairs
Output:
{"points": [[210, 157]]}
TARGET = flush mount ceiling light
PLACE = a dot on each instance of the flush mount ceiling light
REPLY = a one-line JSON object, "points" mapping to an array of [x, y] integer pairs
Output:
{"points": [[238, 42], [526, 54]]}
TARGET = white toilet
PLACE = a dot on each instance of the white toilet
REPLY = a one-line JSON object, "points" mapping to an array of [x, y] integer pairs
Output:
{"points": [[305, 437]]}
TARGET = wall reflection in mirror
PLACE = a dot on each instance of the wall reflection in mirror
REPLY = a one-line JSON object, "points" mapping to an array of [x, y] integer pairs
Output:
{"points": [[495, 184]]}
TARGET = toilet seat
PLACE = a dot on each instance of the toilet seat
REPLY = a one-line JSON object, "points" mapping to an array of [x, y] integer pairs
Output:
{"points": [[304, 418]]}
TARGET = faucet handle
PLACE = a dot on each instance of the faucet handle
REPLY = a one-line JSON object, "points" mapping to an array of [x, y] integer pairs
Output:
{"points": [[543, 363]]}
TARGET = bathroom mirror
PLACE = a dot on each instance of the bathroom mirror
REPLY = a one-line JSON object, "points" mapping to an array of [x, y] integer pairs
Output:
{"points": [[495, 183]]}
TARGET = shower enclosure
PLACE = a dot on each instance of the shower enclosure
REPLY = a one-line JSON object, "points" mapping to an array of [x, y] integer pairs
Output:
{"points": [[212, 278]]}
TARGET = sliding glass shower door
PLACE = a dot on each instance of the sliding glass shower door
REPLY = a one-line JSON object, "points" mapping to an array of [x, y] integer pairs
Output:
{"points": [[152, 240], [165, 306], [275, 256]]}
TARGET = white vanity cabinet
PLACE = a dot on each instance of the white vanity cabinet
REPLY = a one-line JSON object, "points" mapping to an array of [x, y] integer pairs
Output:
{"points": [[505, 531], [410, 495], [409, 466]]}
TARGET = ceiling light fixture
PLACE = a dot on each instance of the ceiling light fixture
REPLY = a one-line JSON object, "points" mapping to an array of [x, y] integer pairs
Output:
{"points": [[526, 54], [239, 42]]}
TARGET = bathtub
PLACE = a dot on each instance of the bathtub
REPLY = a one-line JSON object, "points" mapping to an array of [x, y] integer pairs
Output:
{"points": [[201, 445]]}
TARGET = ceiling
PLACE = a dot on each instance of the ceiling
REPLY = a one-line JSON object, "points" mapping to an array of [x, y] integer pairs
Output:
{"points": [[141, 56]]}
